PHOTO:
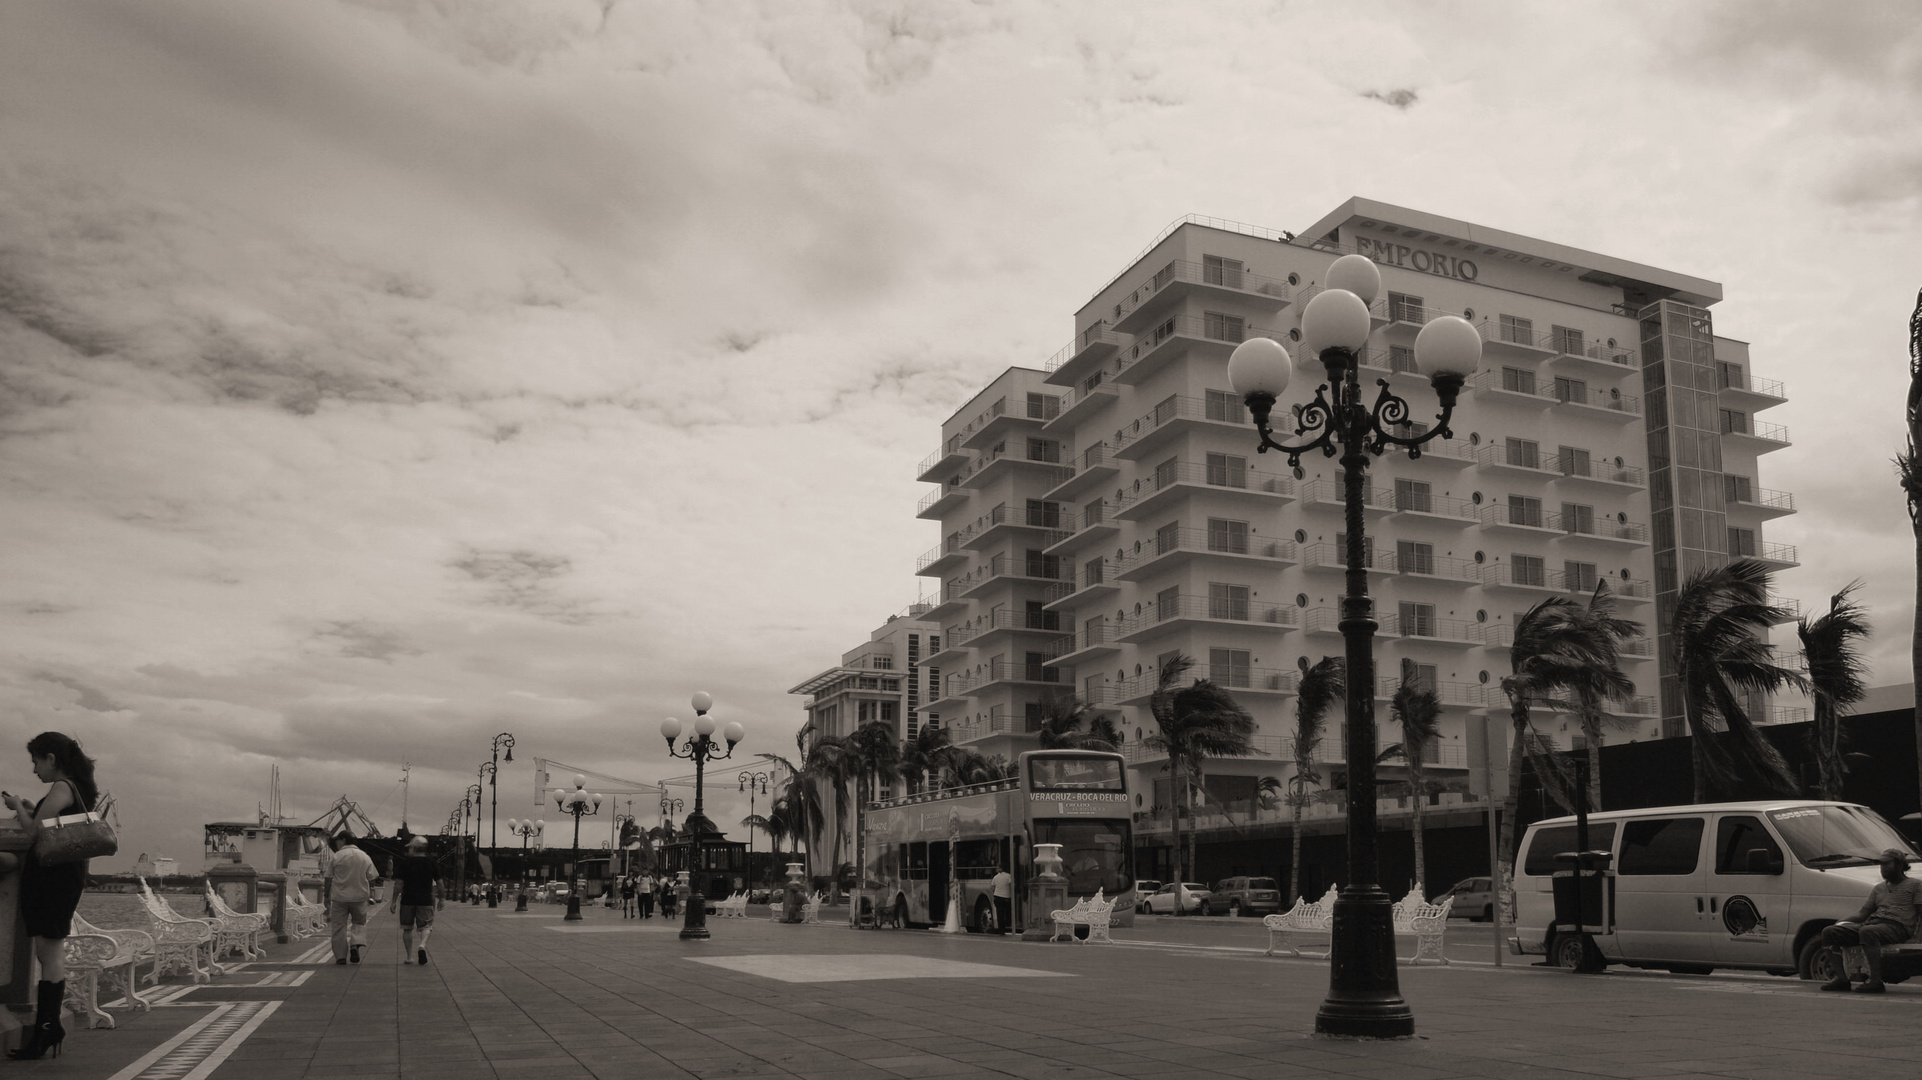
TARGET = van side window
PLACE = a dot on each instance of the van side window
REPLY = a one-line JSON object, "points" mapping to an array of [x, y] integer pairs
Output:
{"points": [[1660, 846], [1743, 846], [1556, 839]]}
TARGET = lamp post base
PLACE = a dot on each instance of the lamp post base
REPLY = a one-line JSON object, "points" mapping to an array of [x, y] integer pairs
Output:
{"points": [[694, 927], [1364, 995], [573, 908]]}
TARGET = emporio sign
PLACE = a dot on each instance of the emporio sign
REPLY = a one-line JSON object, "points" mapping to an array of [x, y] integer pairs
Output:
{"points": [[1424, 262]]}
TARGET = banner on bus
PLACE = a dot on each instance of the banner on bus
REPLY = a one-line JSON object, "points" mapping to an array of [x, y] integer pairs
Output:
{"points": [[1077, 803]]}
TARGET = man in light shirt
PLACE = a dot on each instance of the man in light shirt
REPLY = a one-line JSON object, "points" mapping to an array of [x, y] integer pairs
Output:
{"points": [[1888, 917], [350, 885], [1003, 889]]}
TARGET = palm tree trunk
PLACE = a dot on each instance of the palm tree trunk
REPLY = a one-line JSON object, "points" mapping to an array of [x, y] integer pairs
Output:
{"points": [[1294, 855], [1511, 806], [1420, 787], [1173, 778], [1594, 774]]}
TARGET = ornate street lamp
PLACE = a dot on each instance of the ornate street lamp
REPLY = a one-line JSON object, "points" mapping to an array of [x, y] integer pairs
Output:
{"points": [[668, 807], [700, 748], [579, 803], [524, 830], [1364, 994], [752, 781], [503, 751], [488, 771]]}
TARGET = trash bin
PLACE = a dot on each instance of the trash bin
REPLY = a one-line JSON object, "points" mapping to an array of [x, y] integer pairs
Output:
{"points": [[1586, 903]]}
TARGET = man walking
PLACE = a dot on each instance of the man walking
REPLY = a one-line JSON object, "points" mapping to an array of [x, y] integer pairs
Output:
{"points": [[1887, 917], [416, 896], [1003, 888], [349, 885]]}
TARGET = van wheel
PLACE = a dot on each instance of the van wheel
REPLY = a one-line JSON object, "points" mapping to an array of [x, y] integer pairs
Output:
{"points": [[1568, 952], [1817, 962]]}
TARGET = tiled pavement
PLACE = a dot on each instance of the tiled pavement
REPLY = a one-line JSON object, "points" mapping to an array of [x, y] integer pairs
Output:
{"points": [[526, 996]]}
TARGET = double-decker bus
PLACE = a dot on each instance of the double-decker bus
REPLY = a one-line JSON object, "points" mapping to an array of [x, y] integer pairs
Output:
{"points": [[914, 846]]}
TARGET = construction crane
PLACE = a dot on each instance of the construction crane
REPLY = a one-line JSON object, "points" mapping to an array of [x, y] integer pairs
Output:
{"points": [[345, 814]]}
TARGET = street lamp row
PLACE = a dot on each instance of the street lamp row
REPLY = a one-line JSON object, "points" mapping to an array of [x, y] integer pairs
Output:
{"points": [[699, 748]]}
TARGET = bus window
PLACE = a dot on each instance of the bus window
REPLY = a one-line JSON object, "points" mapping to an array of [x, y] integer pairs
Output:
{"points": [[1074, 774], [1553, 840], [978, 860], [1094, 854], [917, 862]]}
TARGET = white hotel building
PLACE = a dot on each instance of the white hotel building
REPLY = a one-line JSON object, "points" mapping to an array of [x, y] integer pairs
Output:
{"points": [[1109, 511]]}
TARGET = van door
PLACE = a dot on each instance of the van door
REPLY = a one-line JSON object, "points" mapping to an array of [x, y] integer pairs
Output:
{"points": [[1661, 891], [1748, 895]]}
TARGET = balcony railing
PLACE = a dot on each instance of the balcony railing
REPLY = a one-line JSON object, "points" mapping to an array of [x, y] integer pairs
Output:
{"points": [[1524, 516], [948, 449], [1329, 492], [1448, 693], [1754, 429], [1205, 541], [1098, 334], [1427, 502], [1194, 273], [1594, 467], [1519, 456], [1046, 622], [1179, 407], [1202, 607], [1606, 528], [1523, 383], [1199, 474], [1764, 499], [1459, 631], [1612, 401], [1748, 384], [1576, 346], [1327, 556]]}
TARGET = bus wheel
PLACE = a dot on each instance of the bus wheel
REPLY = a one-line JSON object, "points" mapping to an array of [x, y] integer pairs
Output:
{"points": [[983, 917], [900, 913]]}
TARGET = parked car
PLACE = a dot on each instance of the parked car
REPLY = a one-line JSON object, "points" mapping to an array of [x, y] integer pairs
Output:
{"points": [[1474, 899], [1163, 901], [1144, 888], [1240, 896]]}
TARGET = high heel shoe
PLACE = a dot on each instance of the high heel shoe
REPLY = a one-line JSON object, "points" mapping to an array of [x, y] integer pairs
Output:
{"points": [[48, 1032]]}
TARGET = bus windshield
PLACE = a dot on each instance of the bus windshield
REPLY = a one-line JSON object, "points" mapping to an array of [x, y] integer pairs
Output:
{"points": [[1828, 836], [1074, 774], [1094, 854]]}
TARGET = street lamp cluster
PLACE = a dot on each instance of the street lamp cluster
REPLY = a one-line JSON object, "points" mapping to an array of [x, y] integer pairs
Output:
{"points": [[578, 803], [1364, 995], [699, 748]]}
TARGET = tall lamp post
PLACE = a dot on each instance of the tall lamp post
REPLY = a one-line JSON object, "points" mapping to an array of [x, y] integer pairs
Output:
{"points": [[751, 781], [670, 806], [1364, 994], [524, 830], [503, 751], [472, 802], [700, 748], [487, 772], [579, 803]]}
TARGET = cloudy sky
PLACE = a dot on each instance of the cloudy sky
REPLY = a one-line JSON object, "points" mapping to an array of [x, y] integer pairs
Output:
{"points": [[378, 376]]}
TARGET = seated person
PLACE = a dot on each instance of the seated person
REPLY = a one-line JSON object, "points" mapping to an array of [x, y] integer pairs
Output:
{"points": [[1887, 918]]}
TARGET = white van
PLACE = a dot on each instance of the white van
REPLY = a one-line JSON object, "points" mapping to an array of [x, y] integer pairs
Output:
{"points": [[1720, 885]]}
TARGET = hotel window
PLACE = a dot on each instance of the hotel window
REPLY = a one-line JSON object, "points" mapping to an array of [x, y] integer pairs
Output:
{"points": [[1037, 670], [1567, 390], [1227, 601], [1227, 470], [1518, 380], [1417, 620], [1738, 489], [1734, 423], [1567, 340], [1216, 270], [1168, 538], [1518, 330], [1414, 557], [1731, 376], [1094, 513], [1572, 460], [1223, 405], [1405, 308], [1217, 326], [1044, 450], [1401, 359], [1095, 631], [1741, 543], [1040, 619], [1043, 406], [1091, 572], [1168, 603], [1414, 495], [1527, 569], [1228, 667], [1228, 536], [1525, 510], [1042, 565], [1341, 552], [1091, 382], [1577, 518], [1044, 514], [1167, 473], [1524, 454], [1580, 576]]}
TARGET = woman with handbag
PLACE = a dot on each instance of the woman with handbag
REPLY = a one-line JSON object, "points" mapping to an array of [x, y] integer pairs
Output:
{"points": [[50, 890]]}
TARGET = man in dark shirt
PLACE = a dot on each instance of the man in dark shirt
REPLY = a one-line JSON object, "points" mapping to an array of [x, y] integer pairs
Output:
{"points": [[416, 895]]}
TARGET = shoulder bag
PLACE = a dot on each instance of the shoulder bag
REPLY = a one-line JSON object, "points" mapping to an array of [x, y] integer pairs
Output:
{"points": [[72, 838]]}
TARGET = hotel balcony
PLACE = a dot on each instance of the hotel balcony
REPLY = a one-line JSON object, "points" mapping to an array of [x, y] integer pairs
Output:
{"points": [[1749, 394], [1172, 547], [1044, 455], [1585, 469], [1006, 569], [1543, 581], [1200, 612], [1177, 335], [1084, 355], [1262, 682], [1096, 582], [1514, 341], [1427, 506], [1333, 558], [1079, 404], [1173, 480], [1002, 419], [1513, 387], [1447, 569], [942, 557], [1095, 525], [1789, 607], [1452, 695], [1456, 632], [1574, 353], [1265, 747], [1773, 556], [1450, 454], [1636, 648], [1181, 278], [1175, 415], [952, 601], [1528, 519], [1096, 465], [1005, 522], [999, 721], [936, 466], [1760, 504], [1518, 460], [984, 630], [1604, 530], [1593, 401], [935, 504], [1098, 640], [1747, 433], [1326, 493]]}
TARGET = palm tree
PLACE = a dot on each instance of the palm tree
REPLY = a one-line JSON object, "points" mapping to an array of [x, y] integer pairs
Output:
{"points": [[921, 757], [1720, 618], [1910, 468], [1063, 722], [1829, 647], [1196, 723], [1417, 709], [871, 752], [1269, 792], [1321, 687], [1594, 684], [800, 798]]}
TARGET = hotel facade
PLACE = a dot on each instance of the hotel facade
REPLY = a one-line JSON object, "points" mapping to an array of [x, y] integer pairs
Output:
{"points": [[1107, 512]]}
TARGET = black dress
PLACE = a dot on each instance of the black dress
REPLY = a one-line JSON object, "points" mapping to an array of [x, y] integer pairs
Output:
{"points": [[49, 895]]}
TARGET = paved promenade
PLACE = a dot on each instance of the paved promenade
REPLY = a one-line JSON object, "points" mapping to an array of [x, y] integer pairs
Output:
{"points": [[530, 996]]}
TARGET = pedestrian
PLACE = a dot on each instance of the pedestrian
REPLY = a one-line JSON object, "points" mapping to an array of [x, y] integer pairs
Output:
{"points": [[416, 896], [348, 887], [667, 899], [627, 897], [644, 896], [1003, 889], [1887, 917], [49, 895]]}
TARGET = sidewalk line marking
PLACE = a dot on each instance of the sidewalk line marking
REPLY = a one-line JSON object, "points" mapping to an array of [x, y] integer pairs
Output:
{"points": [[202, 1045]]}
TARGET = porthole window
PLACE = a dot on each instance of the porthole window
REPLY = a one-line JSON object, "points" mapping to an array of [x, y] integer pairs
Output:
{"points": [[1301, 599], [1300, 473], [1294, 335], [1301, 662], [1474, 438], [1624, 573], [1611, 343], [1479, 557], [1482, 615], [1476, 498], [1137, 738], [1468, 313], [1622, 518], [1137, 798], [1484, 676], [1137, 669], [1301, 536], [1618, 462], [1294, 279]]}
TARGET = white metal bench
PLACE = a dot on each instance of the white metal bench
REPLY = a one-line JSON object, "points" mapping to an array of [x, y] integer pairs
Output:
{"points": [[304, 918], [180, 943], [122, 970], [734, 907], [1305, 917], [234, 930], [86, 956], [1092, 912], [811, 907], [1426, 921]]}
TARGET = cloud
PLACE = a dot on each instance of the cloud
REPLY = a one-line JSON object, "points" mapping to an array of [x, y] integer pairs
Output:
{"points": [[1401, 99]]}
